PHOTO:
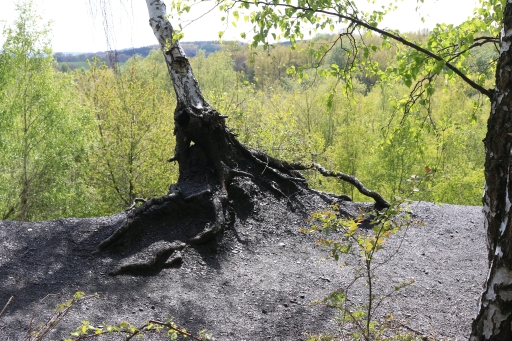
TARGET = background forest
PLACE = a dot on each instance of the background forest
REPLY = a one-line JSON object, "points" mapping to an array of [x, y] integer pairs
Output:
{"points": [[86, 142]]}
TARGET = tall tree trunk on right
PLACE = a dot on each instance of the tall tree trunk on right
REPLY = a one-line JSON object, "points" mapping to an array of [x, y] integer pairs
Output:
{"points": [[494, 320]]}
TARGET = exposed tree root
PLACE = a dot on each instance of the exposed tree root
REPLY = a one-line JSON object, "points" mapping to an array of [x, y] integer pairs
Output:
{"points": [[156, 255], [276, 167], [135, 211], [132, 214], [379, 200], [280, 168], [281, 177], [219, 203], [209, 156]]}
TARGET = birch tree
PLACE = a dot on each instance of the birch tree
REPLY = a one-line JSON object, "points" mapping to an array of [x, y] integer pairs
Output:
{"points": [[494, 319], [216, 171], [210, 157]]}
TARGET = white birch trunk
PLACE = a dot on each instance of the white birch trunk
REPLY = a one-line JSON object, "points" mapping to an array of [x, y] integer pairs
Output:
{"points": [[187, 89], [494, 320], [194, 119]]}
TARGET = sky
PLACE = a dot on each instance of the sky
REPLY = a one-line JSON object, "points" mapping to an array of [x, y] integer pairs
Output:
{"points": [[76, 27]]}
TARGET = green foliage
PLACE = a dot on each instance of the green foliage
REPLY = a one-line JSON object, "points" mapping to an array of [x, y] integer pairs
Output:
{"points": [[43, 145], [132, 110], [87, 331], [345, 235], [42, 330], [100, 137], [124, 329], [363, 134]]}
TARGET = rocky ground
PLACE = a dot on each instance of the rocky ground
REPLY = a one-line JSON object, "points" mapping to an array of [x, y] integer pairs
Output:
{"points": [[257, 282]]}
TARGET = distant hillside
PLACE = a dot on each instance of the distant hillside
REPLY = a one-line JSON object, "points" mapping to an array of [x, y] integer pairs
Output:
{"points": [[77, 60]]}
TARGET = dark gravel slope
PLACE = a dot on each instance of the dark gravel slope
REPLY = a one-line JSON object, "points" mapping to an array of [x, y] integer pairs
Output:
{"points": [[257, 283]]}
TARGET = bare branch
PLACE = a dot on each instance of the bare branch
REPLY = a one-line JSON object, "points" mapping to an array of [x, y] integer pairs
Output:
{"points": [[6, 305], [379, 200], [386, 33]]}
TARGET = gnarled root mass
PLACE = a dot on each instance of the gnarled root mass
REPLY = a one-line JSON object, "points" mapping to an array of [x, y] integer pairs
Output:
{"points": [[210, 158]]}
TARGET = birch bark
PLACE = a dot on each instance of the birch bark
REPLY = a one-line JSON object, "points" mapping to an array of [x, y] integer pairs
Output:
{"points": [[185, 85], [195, 121], [494, 319], [214, 146]]}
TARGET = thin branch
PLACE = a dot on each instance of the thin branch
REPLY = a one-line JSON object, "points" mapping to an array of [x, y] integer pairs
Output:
{"points": [[480, 42], [175, 329], [379, 200], [391, 35], [6, 305], [189, 22]]}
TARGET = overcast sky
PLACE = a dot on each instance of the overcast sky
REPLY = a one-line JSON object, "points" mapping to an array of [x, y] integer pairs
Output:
{"points": [[76, 29]]}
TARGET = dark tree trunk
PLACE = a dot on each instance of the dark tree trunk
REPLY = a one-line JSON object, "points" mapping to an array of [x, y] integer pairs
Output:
{"points": [[494, 320]]}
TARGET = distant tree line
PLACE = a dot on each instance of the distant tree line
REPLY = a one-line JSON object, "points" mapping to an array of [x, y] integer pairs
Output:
{"points": [[121, 56]]}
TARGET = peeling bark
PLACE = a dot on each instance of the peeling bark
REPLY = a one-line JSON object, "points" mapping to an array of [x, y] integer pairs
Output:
{"points": [[494, 319]]}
